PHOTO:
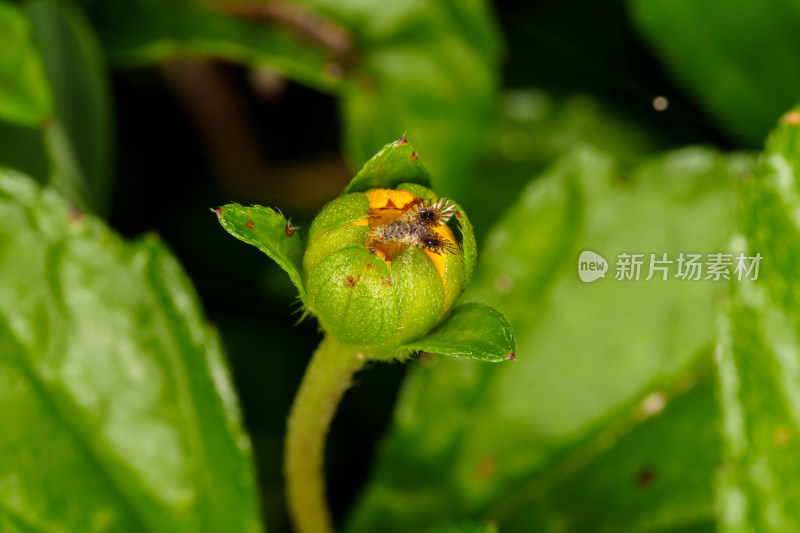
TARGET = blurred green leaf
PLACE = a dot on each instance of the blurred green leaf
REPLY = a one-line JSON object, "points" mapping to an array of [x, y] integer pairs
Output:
{"points": [[429, 71], [395, 164], [739, 58], [656, 477], [80, 139], [533, 128], [759, 351], [473, 330], [587, 351], [23, 149], [65, 174], [270, 232], [425, 68], [116, 409], [139, 32], [26, 101], [25, 97], [464, 528]]}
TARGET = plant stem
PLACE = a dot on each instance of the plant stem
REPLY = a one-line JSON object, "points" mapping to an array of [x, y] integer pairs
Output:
{"points": [[327, 377]]}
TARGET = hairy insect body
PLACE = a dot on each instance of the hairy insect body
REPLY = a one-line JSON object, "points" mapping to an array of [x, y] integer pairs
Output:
{"points": [[402, 232], [416, 226]]}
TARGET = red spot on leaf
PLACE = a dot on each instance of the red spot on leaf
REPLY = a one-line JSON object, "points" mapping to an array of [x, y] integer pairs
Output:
{"points": [[645, 477], [373, 251], [218, 212], [512, 356], [370, 265], [289, 230], [386, 281], [76, 216], [350, 281], [458, 214], [250, 224], [402, 140], [414, 156], [485, 468]]}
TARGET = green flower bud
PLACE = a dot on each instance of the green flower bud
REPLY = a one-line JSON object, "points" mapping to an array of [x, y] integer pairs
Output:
{"points": [[381, 268], [379, 289]]}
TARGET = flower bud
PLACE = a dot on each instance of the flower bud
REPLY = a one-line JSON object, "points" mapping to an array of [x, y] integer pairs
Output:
{"points": [[379, 269]]}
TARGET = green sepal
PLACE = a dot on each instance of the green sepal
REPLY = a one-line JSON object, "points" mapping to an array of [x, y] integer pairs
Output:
{"points": [[329, 241], [267, 230], [343, 210], [469, 247], [473, 330], [353, 297], [420, 190], [396, 163], [454, 276], [419, 292]]}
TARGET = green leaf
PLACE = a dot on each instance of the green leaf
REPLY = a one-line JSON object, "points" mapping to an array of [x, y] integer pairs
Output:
{"points": [[115, 401], [139, 32], [759, 351], [651, 471], [429, 71], [79, 141], [268, 231], [25, 97], [464, 528], [532, 129], [427, 68], [396, 163], [23, 149], [586, 351], [65, 174], [473, 330], [718, 49]]}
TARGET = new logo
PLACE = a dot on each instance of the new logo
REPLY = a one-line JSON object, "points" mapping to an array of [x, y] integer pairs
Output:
{"points": [[591, 266]]}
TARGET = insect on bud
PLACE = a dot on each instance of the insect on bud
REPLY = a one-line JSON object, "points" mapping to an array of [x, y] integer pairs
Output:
{"points": [[382, 267], [417, 227]]}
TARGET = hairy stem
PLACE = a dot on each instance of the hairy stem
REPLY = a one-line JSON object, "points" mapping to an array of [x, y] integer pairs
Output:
{"points": [[327, 377]]}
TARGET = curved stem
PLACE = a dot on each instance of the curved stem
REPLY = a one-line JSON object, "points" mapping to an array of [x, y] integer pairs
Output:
{"points": [[327, 377]]}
